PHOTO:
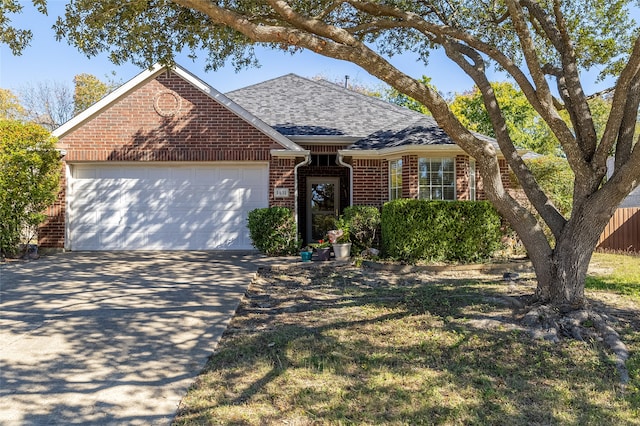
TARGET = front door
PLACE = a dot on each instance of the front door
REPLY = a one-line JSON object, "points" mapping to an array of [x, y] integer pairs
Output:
{"points": [[323, 205]]}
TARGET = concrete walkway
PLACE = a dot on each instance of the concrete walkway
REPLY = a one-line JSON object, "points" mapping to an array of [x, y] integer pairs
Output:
{"points": [[111, 338]]}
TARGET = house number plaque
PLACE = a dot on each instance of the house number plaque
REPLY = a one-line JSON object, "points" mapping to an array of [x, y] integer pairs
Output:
{"points": [[281, 192]]}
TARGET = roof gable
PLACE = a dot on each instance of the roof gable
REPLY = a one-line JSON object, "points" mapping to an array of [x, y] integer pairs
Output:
{"points": [[297, 106], [152, 73]]}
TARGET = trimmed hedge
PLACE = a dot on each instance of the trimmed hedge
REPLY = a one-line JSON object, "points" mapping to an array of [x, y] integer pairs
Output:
{"points": [[273, 231], [435, 231]]}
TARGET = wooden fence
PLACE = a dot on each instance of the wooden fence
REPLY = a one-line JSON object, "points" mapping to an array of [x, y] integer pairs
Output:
{"points": [[623, 231]]}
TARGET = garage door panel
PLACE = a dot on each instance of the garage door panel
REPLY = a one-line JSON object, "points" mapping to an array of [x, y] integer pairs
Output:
{"points": [[164, 207]]}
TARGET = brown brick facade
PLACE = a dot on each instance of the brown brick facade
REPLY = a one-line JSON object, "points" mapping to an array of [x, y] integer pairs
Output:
{"points": [[462, 177], [166, 119], [282, 175], [370, 182], [52, 232], [410, 176]]}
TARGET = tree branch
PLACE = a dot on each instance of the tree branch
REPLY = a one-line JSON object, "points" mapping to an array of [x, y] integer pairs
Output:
{"points": [[628, 125], [549, 112], [538, 198], [628, 76], [571, 148]]}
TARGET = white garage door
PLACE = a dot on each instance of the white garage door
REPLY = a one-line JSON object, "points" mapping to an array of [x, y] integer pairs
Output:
{"points": [[163, 207]]}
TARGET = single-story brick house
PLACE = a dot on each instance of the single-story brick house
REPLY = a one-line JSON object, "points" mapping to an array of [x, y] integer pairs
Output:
{"points": [[168, 162]]}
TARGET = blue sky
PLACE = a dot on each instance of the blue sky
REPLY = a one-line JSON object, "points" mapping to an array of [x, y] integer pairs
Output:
{"points": [[49, 60]]}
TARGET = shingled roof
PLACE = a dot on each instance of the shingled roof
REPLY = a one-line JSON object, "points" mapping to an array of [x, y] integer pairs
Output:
{"points": [[297, 106]]}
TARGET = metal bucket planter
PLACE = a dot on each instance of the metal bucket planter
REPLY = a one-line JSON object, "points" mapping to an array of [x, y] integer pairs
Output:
{"points": [[342, 251]]}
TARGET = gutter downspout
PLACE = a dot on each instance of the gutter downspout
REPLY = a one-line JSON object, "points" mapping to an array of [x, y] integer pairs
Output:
{"points": [[306, 162], [340, 161]]}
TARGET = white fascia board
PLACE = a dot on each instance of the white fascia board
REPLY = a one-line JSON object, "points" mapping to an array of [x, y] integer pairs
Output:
{"points": [[400, 150], [325, 140], [286, 153]]}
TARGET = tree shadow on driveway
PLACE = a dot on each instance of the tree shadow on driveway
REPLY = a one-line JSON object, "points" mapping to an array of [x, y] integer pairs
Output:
{"points": [[111, 337]]}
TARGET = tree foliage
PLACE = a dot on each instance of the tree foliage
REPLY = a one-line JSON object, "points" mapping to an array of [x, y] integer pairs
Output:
{"points": [[396, 97], [10, 107], [88, 89], [29, 177], [543, 46], [554, 175], [527, 129]]}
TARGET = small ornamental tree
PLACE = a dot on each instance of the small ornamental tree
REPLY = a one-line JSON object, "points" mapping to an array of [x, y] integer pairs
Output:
{"points": [[29, 177]]}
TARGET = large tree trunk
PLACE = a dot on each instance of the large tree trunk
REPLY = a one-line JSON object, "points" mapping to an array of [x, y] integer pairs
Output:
{"points": [[562, 285], [562, 276]]}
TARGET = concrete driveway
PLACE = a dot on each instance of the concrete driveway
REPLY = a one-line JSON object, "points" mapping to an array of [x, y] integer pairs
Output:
{"points": [[111, 338]]}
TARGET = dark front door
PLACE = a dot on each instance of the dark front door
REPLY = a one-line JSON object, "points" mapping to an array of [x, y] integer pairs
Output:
{"points": [[323, 205]]}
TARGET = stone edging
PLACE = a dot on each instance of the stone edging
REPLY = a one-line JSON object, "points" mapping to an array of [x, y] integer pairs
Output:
{"points": [[520, 266], [486, 268]]}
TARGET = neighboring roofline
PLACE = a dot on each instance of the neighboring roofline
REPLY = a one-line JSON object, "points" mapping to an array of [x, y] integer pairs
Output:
{"points": [[208, 90]]}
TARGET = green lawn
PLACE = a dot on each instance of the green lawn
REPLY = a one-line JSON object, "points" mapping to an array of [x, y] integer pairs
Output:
{"points": [[623, 277], [347, 346]]}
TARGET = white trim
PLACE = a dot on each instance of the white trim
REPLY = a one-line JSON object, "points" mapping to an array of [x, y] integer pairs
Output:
{"points": [[67, 206], [442, 186], [400, 150], [152, 73], [296, 209], [387, 153], [341, 162], [167, 163], [472, 179], [389, 178], [325, 139], [289, 154]]}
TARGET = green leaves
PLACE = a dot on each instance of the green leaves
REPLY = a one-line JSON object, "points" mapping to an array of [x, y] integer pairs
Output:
{"points": [[273, 231], [463, 231], [88, 90], [29, 178]]}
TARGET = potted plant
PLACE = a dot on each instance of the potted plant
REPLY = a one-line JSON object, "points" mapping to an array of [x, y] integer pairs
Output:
{"points": [[322, 249], [340, 239], [306, 254]]}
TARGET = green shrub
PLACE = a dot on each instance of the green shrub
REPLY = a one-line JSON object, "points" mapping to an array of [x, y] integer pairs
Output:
{"points": [[556, 179], [29, 180], [273, 231], [342, 224], [363, 222], [421, 230]]}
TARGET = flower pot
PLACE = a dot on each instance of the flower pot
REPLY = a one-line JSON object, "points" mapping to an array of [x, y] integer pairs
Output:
{"points": [[342, 251], [323, 253], [306, 256]]}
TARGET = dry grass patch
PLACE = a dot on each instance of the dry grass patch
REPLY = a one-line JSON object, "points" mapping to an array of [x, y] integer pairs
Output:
{"points": [[344, 345]]}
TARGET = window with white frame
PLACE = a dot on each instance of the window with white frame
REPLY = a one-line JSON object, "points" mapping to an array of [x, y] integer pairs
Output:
{"points": [[436, 178], [472, 179], [395, 179]]}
